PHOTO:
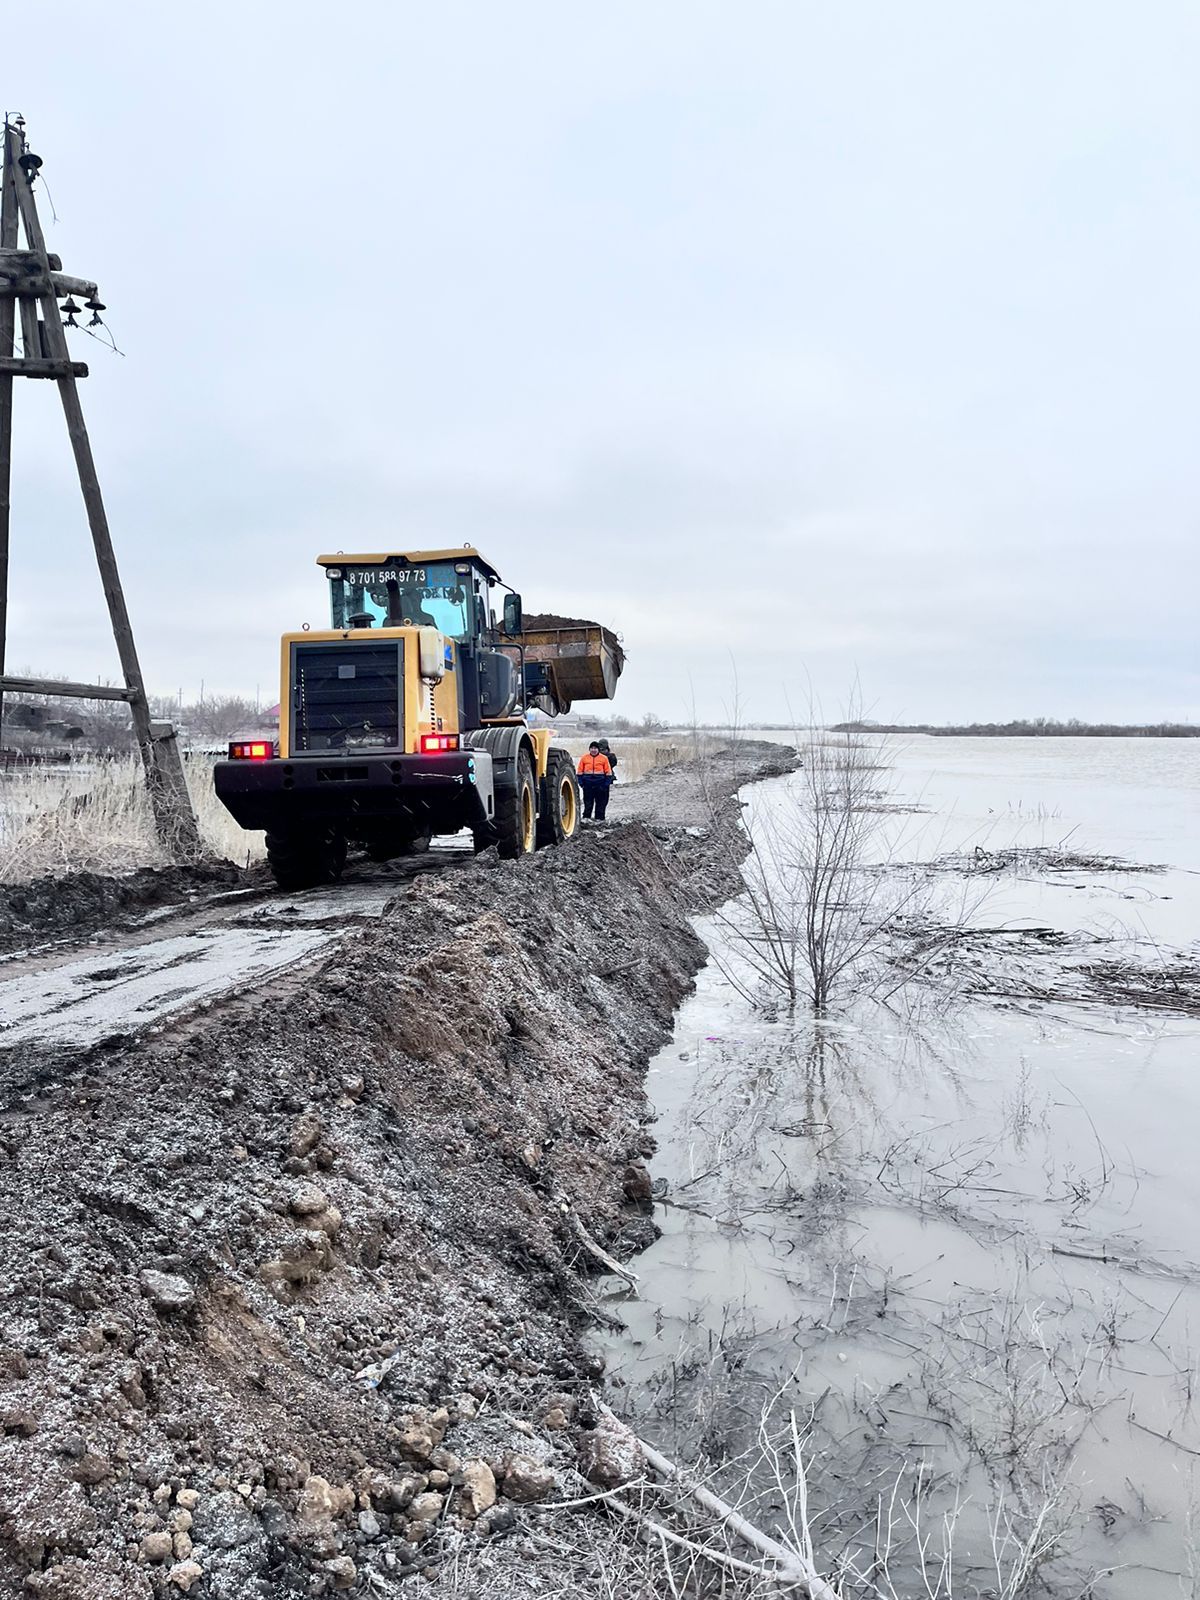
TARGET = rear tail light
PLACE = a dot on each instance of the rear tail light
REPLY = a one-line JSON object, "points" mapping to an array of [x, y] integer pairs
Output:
{"points": [[252, 750], [435, 744]]}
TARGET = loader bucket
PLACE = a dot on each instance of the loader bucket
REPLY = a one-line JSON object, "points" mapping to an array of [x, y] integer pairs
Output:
{"points": [[582, 662]]}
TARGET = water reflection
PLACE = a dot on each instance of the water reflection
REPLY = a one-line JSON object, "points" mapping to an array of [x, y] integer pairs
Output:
{"points": [[958, 1248]]}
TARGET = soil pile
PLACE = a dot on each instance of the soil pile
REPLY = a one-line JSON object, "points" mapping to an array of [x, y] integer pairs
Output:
{"points": [[289, 1295], [687, 807], [60, 908]]}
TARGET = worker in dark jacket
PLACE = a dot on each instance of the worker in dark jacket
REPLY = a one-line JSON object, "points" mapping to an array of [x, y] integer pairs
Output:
{"points": [[595, 779]]}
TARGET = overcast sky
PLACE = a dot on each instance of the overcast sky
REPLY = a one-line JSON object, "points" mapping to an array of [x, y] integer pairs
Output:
{"points": [[821, 340]]}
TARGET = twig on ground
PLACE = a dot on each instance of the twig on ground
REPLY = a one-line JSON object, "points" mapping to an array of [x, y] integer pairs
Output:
{"points": [[793, 1570], [596, 1251]]}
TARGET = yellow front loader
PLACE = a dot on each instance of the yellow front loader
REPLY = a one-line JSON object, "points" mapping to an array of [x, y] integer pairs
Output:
{"points": [[407, 718]]}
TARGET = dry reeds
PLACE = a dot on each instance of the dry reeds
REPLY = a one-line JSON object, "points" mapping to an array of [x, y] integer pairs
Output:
{"points": [[94, 816]]}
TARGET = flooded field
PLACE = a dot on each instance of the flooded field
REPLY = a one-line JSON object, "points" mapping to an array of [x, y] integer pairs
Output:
{"points": [[948, 1244]]}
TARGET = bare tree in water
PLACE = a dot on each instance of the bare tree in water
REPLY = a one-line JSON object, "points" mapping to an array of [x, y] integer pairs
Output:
{"points": [[818, 903]]}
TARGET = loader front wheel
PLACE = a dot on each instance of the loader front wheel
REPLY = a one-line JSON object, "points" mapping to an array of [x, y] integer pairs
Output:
{"points": [[305, 858], [516, 812], [559, 820]]}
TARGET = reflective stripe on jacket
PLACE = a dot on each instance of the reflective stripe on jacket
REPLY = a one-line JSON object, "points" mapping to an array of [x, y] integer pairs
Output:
{"points": [[594, 767]]}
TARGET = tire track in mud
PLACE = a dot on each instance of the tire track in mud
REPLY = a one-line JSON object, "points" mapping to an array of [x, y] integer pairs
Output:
{"points": [[61, 1007]]}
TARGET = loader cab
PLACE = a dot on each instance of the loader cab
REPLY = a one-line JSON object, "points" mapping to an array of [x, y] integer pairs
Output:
{"points": [[442, 589], [447, 590]]}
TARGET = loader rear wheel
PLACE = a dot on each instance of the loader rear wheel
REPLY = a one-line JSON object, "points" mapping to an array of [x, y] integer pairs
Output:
{"points": [[516, 812], [304, 859], [560, 800]]}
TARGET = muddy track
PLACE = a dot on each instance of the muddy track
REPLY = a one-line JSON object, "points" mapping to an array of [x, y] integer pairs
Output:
{"points": [[374, 1154], [67, 1001]]}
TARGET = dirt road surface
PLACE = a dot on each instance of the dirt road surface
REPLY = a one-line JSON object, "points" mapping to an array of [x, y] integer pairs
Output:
{"points": [[69, 993]]}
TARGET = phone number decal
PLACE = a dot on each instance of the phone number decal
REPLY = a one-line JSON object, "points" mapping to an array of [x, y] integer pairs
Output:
{"points": [[367, 578]]}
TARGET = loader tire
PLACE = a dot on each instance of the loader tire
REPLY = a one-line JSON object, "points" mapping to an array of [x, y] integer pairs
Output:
{"points": [[303, 860], [516, 812], [561, 807]]}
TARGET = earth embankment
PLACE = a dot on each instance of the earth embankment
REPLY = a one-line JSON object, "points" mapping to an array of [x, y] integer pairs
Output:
{"points": [[291, 1291]]}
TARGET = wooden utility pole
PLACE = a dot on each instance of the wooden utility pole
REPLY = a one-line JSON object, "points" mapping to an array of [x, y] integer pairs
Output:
{"points": [[8, 319], [33, 278]]}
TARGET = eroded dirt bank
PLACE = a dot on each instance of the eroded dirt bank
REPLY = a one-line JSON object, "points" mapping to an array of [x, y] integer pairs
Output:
{"points": [[82, 902], [290, 1293]]}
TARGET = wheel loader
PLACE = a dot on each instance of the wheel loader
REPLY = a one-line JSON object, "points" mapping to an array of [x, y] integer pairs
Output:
{"points": [[408, 717]]}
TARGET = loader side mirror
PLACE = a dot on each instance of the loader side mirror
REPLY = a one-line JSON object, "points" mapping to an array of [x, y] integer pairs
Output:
{"points": [[512, 613]]}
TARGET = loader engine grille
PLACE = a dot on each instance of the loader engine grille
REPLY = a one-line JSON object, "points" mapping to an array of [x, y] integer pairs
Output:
{"points": [[347, 697]]}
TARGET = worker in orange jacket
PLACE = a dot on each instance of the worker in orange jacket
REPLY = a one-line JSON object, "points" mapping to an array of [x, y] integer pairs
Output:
{"points": [[595, 779]]}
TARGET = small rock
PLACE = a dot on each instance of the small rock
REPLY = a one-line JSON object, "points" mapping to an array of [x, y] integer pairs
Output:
{"points": [[321, 1502], [306, 1134], [368, 1524], [478, 1486], [354, 1086], [181, 1544], [223, 1521], [92, 1469], [307, 1200], [342, 1570], [18, 1421], [371, 1485], [156, 1547], [188, 1499], [426, 1507], [466, 1407], [181, 1520], [555, 1418], [637, 1183], [610, 1455], [130, 1384], [166, 1291], [329, 1221], [184, 1574], [500, 1519], [422, 1432], [439, 1479], [526, 1481], [399, 1493]]}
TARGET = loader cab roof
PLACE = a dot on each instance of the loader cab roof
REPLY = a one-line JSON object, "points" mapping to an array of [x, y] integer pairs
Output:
{"points": [[443, 589], [463, 552]]}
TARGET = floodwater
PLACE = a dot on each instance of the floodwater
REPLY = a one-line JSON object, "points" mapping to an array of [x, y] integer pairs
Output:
{"points": [[958, 1239]]}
